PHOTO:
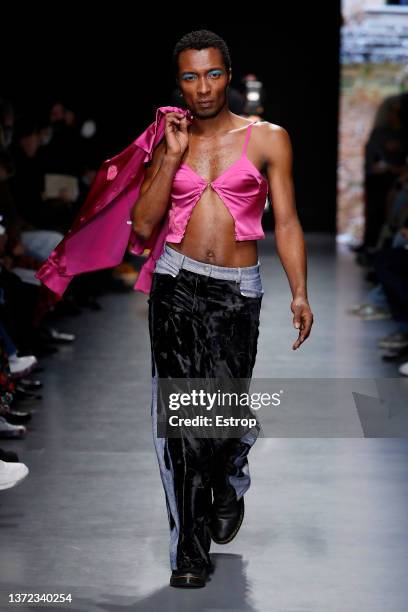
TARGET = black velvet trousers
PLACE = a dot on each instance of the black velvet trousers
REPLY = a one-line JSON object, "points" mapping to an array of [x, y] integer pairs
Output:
{"points": [[200, 327]]}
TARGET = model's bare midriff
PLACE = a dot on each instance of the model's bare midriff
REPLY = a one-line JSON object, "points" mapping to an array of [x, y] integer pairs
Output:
{"points": [[210, 231]]}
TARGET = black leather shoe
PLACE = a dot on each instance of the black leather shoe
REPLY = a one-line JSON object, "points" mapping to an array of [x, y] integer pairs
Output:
{"points": [[227, 514], [10, 456], [23, 394], [16, 417], [396, 355], [190, 578], [30, 383], [50, 334]]}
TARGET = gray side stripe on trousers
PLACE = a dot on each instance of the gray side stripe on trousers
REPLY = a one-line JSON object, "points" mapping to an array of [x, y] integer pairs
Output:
{"points": [[167, 476]]}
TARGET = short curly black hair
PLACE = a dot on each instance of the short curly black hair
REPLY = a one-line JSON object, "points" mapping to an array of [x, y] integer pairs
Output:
{"points": [[201, 39]]}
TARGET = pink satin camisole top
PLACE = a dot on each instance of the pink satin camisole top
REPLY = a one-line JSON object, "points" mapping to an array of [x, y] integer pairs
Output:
{"points": [[242, 188]]}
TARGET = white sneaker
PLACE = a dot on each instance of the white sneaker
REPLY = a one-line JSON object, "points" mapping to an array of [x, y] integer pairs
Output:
{"points": [[19, 366], [64, 336], [11, 474], [8, 430], [393, 341], [403, 369]]}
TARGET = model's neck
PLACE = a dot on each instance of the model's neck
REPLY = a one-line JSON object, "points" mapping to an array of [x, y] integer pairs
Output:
{"points": [[212, 125]]}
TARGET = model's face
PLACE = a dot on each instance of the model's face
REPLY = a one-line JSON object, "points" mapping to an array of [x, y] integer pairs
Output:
{"points": [[203, 80]]}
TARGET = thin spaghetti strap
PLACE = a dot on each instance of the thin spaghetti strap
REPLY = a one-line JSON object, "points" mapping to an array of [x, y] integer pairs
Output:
{"points": [[247, 136]]}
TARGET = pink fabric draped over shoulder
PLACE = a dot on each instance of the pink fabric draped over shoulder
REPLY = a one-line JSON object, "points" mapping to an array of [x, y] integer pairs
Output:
{"points": [[101, 232]]}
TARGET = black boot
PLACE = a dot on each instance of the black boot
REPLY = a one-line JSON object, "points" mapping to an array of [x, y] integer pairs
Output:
{"points": [[191, 577], [227, 514]]}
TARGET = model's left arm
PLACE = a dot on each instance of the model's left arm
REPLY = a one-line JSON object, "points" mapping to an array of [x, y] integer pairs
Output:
{"points": [[289, 237]]}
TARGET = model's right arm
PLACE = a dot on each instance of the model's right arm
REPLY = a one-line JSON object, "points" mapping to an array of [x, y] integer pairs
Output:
{"points": [[154, 194]]}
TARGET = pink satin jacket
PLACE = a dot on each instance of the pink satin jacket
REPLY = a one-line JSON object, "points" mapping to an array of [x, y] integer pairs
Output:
{"points": [[102, 231]]}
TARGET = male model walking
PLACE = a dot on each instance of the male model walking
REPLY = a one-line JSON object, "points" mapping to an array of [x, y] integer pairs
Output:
{"points": [[211, 175]]}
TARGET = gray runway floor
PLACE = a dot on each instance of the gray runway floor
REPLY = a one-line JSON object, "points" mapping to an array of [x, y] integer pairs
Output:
{"points": [[326, 514]]}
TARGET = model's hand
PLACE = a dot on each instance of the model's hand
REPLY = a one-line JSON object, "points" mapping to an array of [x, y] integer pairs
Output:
{"points": [[176, 135], [302, 319]]}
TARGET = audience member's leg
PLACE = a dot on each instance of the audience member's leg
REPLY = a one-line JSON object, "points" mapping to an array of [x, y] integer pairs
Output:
{"points": [[392, 269]]}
